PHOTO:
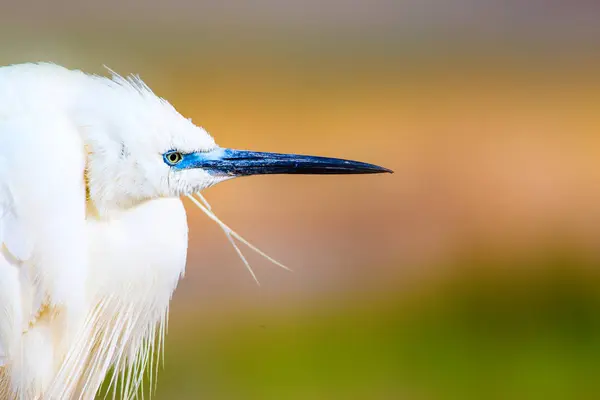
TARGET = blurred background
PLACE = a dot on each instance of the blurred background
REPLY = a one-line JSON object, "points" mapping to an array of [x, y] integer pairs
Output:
{"points": [[472, 272]]}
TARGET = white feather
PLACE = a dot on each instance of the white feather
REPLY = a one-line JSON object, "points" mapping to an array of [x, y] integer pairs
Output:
{"points": [[85, 281]]}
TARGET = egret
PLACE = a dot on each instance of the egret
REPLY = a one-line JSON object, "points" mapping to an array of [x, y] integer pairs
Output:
{"points": [[93, 231]]}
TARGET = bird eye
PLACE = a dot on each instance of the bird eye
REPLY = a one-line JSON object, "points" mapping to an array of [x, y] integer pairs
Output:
{"points": [[173, 157]]}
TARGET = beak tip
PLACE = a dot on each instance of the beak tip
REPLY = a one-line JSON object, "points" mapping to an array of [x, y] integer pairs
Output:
{"points": [[376, 169]]}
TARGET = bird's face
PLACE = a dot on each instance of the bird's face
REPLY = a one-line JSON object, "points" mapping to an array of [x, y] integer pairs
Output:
{"points": [[141, 148]]}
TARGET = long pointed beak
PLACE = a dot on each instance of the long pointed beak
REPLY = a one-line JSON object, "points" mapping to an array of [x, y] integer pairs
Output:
{"points": [[242, 163]]}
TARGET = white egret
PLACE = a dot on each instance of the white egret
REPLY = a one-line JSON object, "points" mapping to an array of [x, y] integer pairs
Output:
{"points": [[93, 232]]}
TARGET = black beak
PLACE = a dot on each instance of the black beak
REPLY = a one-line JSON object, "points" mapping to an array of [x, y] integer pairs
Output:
{"points": [[242, 163]]}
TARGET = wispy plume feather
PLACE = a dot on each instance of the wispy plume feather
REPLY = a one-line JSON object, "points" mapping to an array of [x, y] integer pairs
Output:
{"points": [[203, 205]]}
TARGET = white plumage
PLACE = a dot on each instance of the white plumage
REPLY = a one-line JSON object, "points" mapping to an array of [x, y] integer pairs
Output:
{"points": [[73, 278], [93, 233]]}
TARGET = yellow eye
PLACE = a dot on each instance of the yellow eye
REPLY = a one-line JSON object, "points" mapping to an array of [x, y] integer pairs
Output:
{"points": [[173, 157]]}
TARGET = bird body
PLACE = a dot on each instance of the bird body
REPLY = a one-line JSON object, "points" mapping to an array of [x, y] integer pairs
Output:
{"points": [[93, 232], [72, 271]]}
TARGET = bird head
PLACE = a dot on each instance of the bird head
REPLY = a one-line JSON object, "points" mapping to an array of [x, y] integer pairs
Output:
{"points": [[140, 148]]}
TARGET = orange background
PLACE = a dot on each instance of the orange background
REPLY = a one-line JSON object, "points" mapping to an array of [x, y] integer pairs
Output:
{"points": [[472, 272]]}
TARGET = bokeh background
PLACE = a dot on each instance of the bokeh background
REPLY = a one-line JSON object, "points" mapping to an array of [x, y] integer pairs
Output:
{"points": [[472, 272]]}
